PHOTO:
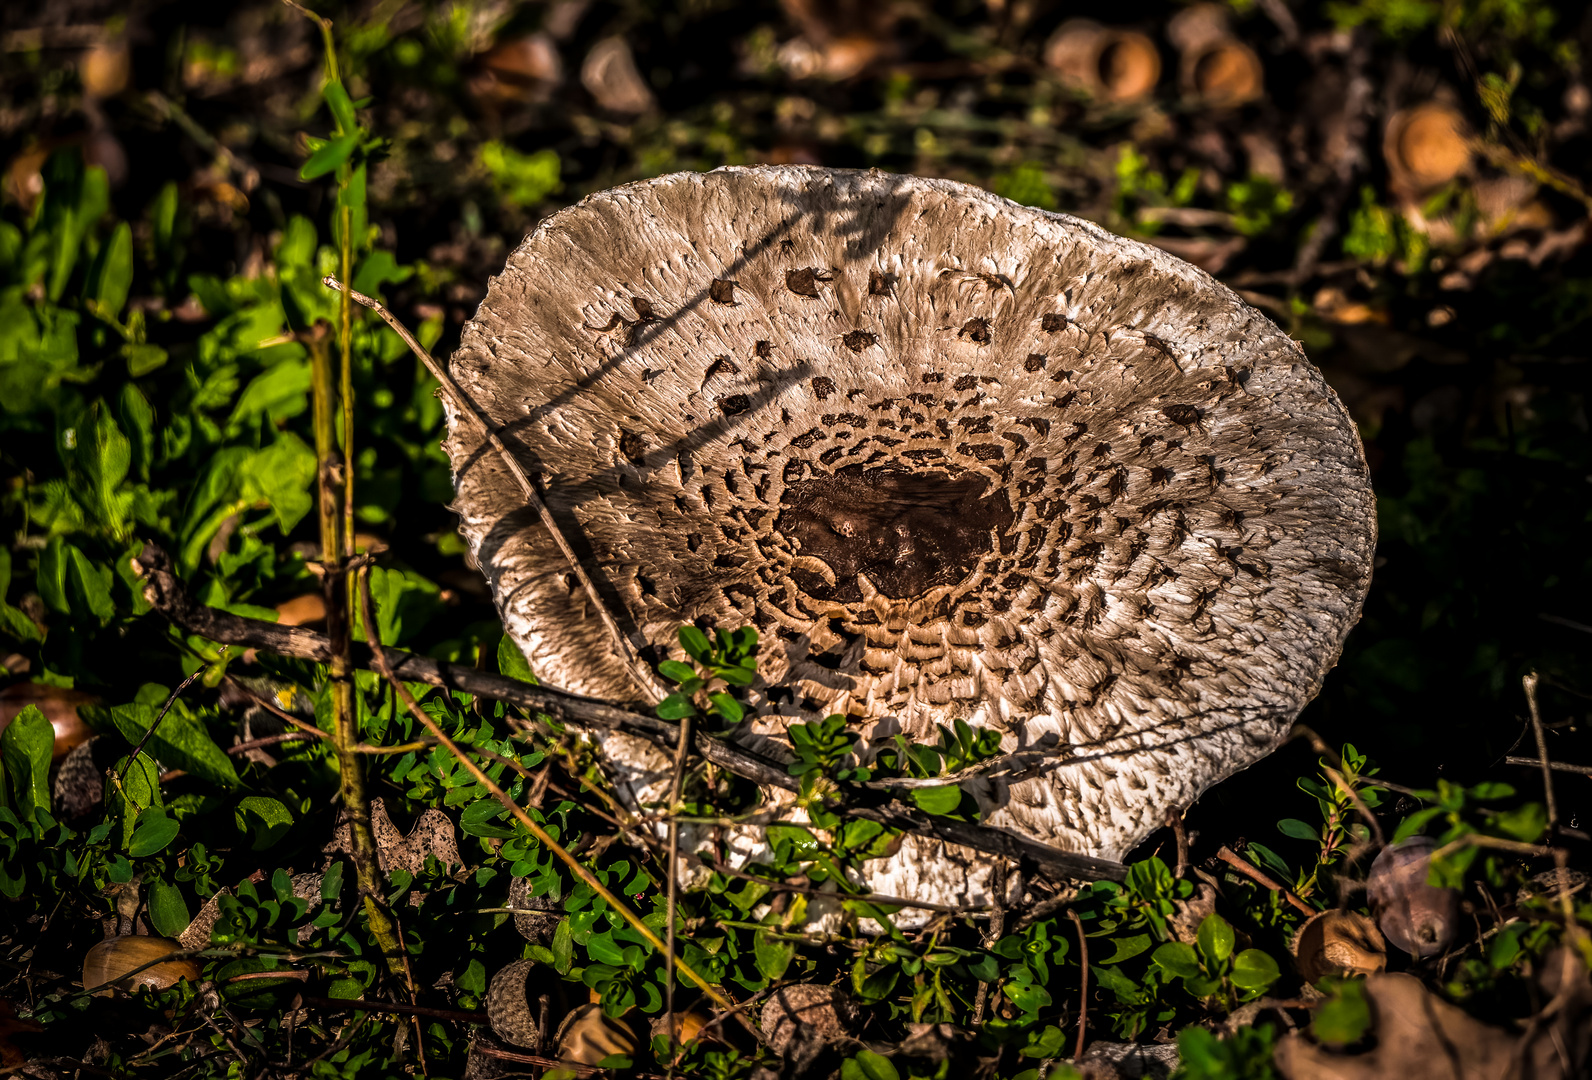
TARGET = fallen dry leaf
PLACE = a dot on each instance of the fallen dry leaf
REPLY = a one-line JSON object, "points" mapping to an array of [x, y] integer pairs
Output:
{"points": [[1419, 1036]]}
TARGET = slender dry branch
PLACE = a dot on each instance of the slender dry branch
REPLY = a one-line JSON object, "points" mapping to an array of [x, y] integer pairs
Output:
{"points": [[681, 752], [1556, 766], [1083, 985], [1529, 682], [1231, 858], [167, 595], [639, 672]]}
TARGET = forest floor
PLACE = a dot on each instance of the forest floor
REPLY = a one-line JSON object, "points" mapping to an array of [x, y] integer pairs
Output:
{"points": [[1400, 185]]}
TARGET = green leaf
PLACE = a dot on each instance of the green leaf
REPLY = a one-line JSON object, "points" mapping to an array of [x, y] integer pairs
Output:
{"points": [[71, 583], [179, 741], [1046, 1043], [341, 106], [281, 475], [480, 819], [1297, 829], [1254, 970], [1412, 825], [736, 676], [603, 949], [405, 602], [695, 643], [676, 671], [773, 955], [937, 800], [1128, 948], [130, 788], [675, 707], [867, 1065], [330, 156], [1526, 823], [1215, 938], [103, 457], [25, 748], [511, 661], [1177, 960], [113, 272], [15, 623], [563, 948], [279, 392], [727, 707], [263, 817], [378, 269], [1344, 1017], [154, 830]]}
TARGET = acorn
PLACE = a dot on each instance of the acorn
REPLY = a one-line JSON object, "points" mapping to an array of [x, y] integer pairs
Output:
{"points": [[1215, 65], [1226, 73], [111, 965], [1338, 943], [1417, 917]]}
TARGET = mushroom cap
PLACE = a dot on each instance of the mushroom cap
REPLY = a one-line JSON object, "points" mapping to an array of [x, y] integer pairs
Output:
{"points": [[952, 456]]}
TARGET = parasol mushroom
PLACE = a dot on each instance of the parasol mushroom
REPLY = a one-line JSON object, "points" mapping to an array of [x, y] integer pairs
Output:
{"points": [[952, 456]]}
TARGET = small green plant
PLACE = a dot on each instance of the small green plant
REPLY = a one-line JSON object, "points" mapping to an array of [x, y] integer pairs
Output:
{"points": [[1210, 969], [727, 659]]}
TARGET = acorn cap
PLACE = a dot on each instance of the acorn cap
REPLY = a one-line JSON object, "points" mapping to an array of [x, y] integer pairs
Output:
{"points": [[1107, 62], [954, 458], [1338, 943]]}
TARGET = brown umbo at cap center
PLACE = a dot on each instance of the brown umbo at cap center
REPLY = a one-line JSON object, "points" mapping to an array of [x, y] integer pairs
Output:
{"points": [[907, 532], [1042, 479]]}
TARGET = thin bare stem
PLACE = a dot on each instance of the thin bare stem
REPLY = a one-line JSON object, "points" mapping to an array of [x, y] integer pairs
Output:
{"points": [[164, 709], [1083, 984], [167, 595], [1228, 856], [682, 751], [639, 672], [1174, 821], [1530, 684], [1497, 843], [379, 652], [1556, 766]]}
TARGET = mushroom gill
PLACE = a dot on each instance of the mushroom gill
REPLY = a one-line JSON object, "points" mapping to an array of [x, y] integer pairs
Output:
{"points": [[953, 457]]}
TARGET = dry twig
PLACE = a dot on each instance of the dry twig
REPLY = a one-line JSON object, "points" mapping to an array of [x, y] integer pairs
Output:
{"points": [[1228, 856], [640, 673], [166, 594]]}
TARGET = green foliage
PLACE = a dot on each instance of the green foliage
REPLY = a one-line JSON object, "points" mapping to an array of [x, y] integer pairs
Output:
{"points": [[1026, 184], [1379, 235], [727, 659], [521, 179], [1244, 1055], [1344, 1017]]}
